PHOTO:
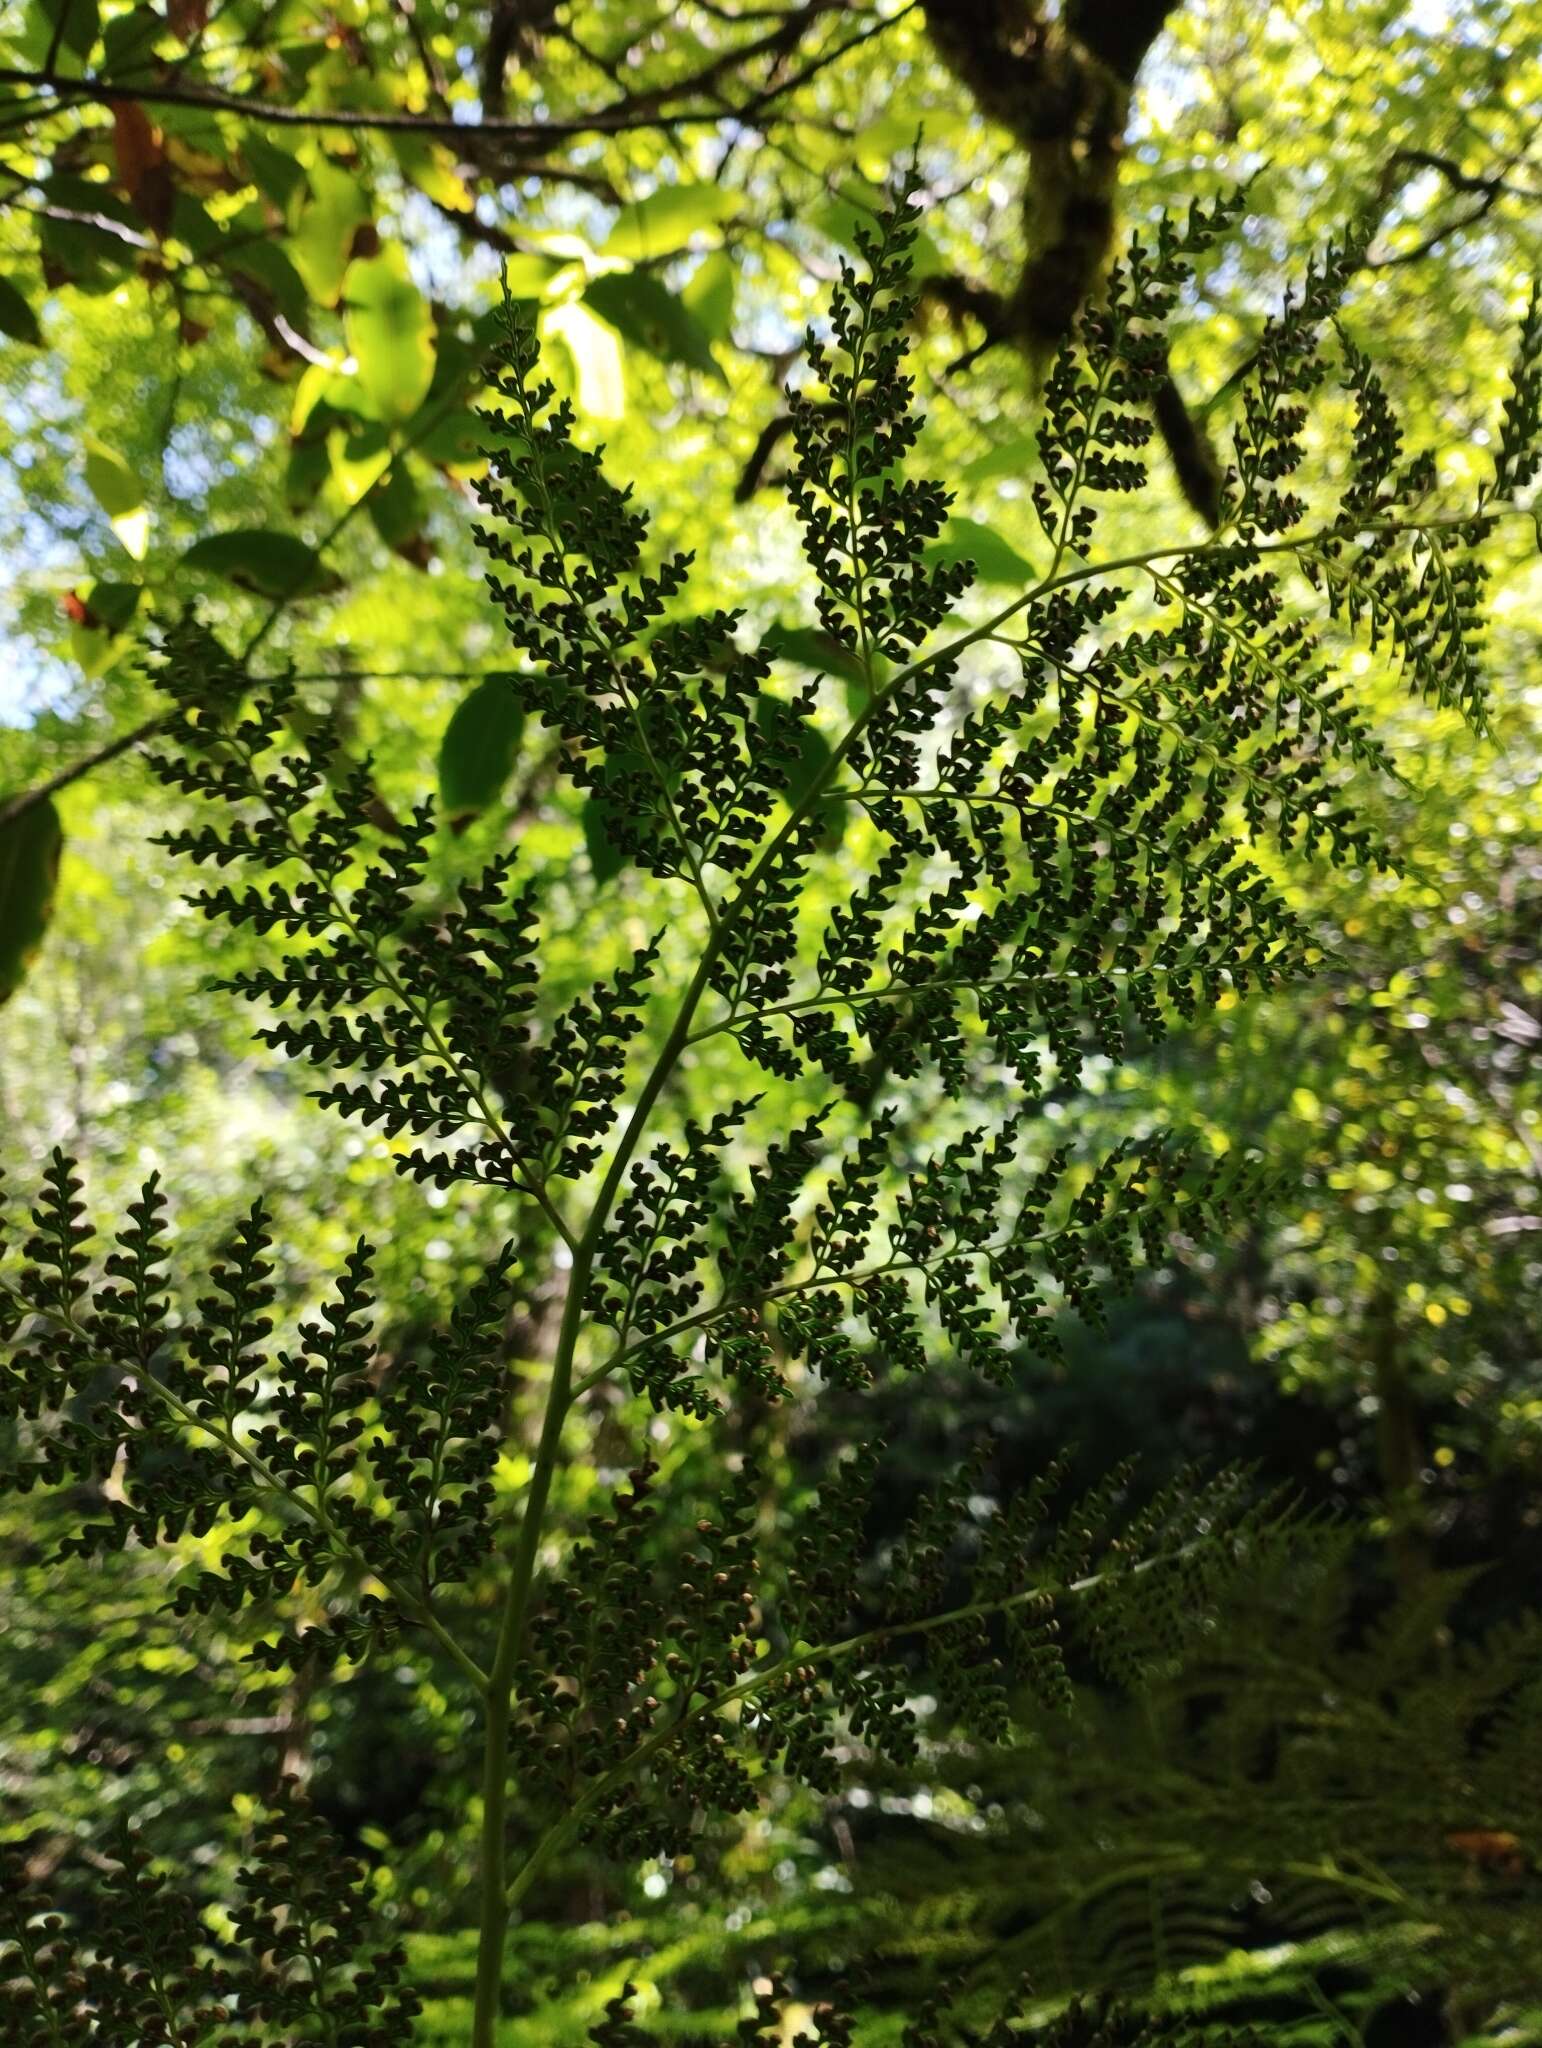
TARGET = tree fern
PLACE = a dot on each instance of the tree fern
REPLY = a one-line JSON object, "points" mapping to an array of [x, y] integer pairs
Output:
{"points": [[1027, 874]]}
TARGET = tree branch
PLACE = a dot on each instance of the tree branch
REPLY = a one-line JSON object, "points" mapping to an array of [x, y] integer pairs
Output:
{"points": [[615, 120]]}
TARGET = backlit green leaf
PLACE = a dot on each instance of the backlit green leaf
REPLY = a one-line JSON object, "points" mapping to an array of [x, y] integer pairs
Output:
{"points": [[995, 559], [256, 558], [119, 493], [390, 332], [329, 218], [595, 353], [666, 220], [479, 748], [813, 649], [70, 24], [708, 296], [1012, 458], [650, 316], [853, 212], [456, 442], [274, 170]]}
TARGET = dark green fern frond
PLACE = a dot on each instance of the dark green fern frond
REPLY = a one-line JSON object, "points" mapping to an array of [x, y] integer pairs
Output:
{"points": [[967, 1241], [304, 1963], [199, 1419], [695, 1664], [879, 924], [430, 1010]]}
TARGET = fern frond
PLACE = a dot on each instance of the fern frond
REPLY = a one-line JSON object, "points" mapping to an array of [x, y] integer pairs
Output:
{"points": [[304, 1962]]}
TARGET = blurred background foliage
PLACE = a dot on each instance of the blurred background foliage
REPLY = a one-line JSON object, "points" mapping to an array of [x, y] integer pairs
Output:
{"points": [[241, 360]]}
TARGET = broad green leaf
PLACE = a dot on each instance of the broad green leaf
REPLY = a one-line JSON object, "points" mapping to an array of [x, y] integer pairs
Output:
{"points": [[455, 442], [390, 332], [1013, 458], [431, 167], [90, 196], [256, 558], [327, 387], [887, 142], [133, 530], [196, 139], [813, 759], [595, 354], [111, 605], [308, 467], [75, 252], [274, 171], [666, 220], [398, 514], [478, 751], [814, 649], [531, 276], [112, 483], [649, 315], [709, 295], [97, 614], [192, 222], [854, 211], [73, 24], [89, 236], [29, 870], [571, 249], [606, 858], [128, 47], [359, 455], [995, 559], [266, 263], [322, 242], [94, 653], [120, 494], [17, 318]]}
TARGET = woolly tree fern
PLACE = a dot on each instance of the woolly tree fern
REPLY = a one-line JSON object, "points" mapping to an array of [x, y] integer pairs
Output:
{"points": [[1025, 874]]}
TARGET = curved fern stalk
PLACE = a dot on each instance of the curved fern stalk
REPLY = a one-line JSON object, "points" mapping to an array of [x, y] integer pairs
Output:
{"points": [[782, 1691], [1035, 877]]}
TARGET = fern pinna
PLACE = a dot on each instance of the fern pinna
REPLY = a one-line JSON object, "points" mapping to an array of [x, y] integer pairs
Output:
{"points": [[1053, 829]]}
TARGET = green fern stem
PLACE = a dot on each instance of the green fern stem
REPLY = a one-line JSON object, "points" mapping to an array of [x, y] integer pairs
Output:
{"points": [[496, 1893], [495, 1899], [558, 1835]]}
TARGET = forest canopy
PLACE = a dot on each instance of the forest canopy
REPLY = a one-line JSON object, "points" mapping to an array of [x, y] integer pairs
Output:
{"points": [[770, 998]]}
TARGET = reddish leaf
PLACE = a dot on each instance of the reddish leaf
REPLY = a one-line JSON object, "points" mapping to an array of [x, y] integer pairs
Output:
{"points": [[142, 164], [188, 18]]}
